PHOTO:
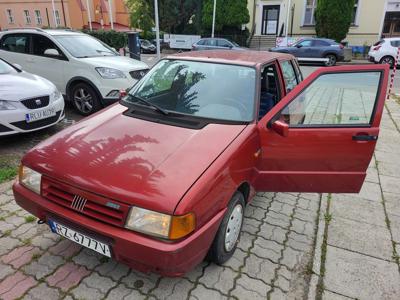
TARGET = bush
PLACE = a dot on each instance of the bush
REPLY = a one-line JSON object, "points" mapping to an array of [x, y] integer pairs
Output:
{"points": [[112, 38]]}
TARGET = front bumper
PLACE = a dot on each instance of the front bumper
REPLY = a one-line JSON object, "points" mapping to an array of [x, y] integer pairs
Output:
{"points": [[13, 121], [133, 249]]}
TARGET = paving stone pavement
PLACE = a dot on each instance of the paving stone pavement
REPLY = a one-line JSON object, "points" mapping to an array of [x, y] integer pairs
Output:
{"points": [[293, 246]]}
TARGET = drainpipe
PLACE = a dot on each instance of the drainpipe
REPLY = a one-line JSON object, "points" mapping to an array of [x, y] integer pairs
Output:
{"points": [[63, 10], [110, 14]]}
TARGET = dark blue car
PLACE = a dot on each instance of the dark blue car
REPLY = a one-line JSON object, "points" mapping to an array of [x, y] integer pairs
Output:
{"points": [[315, 49]]}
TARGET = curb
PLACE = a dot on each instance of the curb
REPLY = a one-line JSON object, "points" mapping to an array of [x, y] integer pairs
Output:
{"points": [[312, 291]]}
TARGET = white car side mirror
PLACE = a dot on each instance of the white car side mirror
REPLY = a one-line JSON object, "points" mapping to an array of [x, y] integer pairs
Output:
{"points": [[51, 52]]}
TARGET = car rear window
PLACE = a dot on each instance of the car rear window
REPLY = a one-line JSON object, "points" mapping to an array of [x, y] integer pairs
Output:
{"points": [[395, 43]]}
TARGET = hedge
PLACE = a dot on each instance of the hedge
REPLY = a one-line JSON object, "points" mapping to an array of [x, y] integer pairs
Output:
{"points": [[112, 38]]}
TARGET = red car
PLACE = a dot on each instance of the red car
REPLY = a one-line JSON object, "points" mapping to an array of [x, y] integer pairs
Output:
{"points": [[161, 179]]}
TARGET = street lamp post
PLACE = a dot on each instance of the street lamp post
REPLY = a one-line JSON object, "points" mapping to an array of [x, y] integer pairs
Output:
{"points": [[89, 15], [213, 21], [157, 29], [54, 13], [111, 14]]}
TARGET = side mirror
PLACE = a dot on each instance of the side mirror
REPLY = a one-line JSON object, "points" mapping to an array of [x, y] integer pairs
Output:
{"points": [[51, 52], [17, 66], [299, 46], [280, 128]]}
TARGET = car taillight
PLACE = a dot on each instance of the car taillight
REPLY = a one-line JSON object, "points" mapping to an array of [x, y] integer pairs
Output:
{"points": [[376, 48]]}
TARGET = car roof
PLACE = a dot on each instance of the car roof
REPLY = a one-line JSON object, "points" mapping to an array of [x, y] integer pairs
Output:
{"points": [[236, 57], [318, 39], [52, 32], [391, 39]]}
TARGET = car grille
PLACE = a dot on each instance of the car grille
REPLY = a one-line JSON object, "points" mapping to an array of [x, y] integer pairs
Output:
{"points": [[86, 203], [138, 74], [37, 124], [37, 102]]}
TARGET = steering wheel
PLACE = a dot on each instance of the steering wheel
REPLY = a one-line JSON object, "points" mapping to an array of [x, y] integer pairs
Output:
{"points": [[242, 108]]}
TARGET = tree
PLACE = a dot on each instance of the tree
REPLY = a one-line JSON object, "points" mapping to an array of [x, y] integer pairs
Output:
{"points": [[141, 14], [333, 18], [229, 13]]}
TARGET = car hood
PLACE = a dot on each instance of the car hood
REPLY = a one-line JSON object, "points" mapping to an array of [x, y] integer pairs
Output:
{"points": [[22, 85], [137, 162], [116, 62]]}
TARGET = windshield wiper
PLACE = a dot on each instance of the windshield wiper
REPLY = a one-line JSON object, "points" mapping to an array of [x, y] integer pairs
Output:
{"points": [[156, 107], [104, 51]]}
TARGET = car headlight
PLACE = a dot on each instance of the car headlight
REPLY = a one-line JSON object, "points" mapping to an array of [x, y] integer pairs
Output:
{"points": [[55, 95], [160, 225], [6, 105], [30, 178], [109, 73]]}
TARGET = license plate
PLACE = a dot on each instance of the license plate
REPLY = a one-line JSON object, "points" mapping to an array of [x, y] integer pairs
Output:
{"points": [[40, 114], [80, 238]]}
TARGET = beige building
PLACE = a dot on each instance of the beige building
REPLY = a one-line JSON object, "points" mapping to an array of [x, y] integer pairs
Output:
{"points": [[66, 13], [372, 20]]}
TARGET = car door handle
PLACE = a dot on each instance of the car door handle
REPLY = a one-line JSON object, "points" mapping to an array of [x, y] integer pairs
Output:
{"points": [[365, 137]]}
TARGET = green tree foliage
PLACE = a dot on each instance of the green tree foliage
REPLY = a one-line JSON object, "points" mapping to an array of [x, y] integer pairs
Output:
{"points": [[175, 16], [333, 18], [229, 13], [112, 38]]}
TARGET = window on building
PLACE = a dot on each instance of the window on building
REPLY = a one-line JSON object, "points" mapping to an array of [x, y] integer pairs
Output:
{"points": [[309, 12], [354, 19], [27, 17], [58, 20], [10, 16], [38, 17]]}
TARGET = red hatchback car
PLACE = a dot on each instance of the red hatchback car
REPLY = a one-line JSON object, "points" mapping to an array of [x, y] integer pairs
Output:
{"points": [[161, 179]]}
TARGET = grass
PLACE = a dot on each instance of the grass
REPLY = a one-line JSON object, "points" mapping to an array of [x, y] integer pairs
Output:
{"points": [[30, 219], [8, 168]]}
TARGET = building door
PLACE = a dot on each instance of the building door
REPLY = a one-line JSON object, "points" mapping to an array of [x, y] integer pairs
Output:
{"points": [[270, 20]]}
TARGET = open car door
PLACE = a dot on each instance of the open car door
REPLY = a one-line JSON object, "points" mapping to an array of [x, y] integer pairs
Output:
{"points": [[322, 135]]}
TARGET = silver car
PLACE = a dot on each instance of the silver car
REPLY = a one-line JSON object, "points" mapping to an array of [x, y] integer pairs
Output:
{"points": [[215, 43]]}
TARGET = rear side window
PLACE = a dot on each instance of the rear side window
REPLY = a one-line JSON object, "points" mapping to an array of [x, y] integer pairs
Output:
{"points": [[211, 42], [335, 99], [289, 75], [201, 42], [18, 43], [395, 43], [318, 43]]}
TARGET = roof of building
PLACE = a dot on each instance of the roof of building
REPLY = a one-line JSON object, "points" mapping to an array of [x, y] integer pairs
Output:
{"points": [[238, 57]]}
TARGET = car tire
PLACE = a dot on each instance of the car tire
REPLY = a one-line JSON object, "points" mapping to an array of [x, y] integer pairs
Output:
{"points": [[332, 59], [388, 60], [227, 237], [85, 99]]}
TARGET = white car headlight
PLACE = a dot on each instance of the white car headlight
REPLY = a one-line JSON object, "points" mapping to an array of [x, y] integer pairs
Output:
{"points": [[6, 105], [55, 95], [30, 178], [109, 73], [158, 224]]}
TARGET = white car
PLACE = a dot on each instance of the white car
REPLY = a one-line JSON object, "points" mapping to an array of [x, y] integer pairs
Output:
{"points": [[384, 51], [85, 70], [27, 102]]}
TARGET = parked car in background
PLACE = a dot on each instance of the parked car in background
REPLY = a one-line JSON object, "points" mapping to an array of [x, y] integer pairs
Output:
{"points": [[384, 51], [147, 47], [163, 44], [90, 73], [315, 49], [27, 102], [162, 179], [215, 44]]}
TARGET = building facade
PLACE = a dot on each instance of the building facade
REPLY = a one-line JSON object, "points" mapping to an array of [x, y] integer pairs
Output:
{"points": [[65, 13], [372, 19]]}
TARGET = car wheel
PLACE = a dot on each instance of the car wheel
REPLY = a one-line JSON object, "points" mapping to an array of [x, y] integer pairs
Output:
{"points": [[227, 237], [331, 60], [85, 99], [387, 60]]}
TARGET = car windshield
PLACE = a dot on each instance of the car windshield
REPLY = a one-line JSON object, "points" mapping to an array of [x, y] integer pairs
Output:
{"points": [[84, 46], [5, 68], [199, 89]]}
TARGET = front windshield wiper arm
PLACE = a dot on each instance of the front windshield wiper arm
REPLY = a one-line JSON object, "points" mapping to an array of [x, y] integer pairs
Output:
{"points": [[104, 51], [156, 107]]}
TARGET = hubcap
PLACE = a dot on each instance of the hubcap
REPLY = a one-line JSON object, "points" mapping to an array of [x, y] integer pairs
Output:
{"points": [[331, 61], [83, 100], [233, 229], [387, 60]]}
